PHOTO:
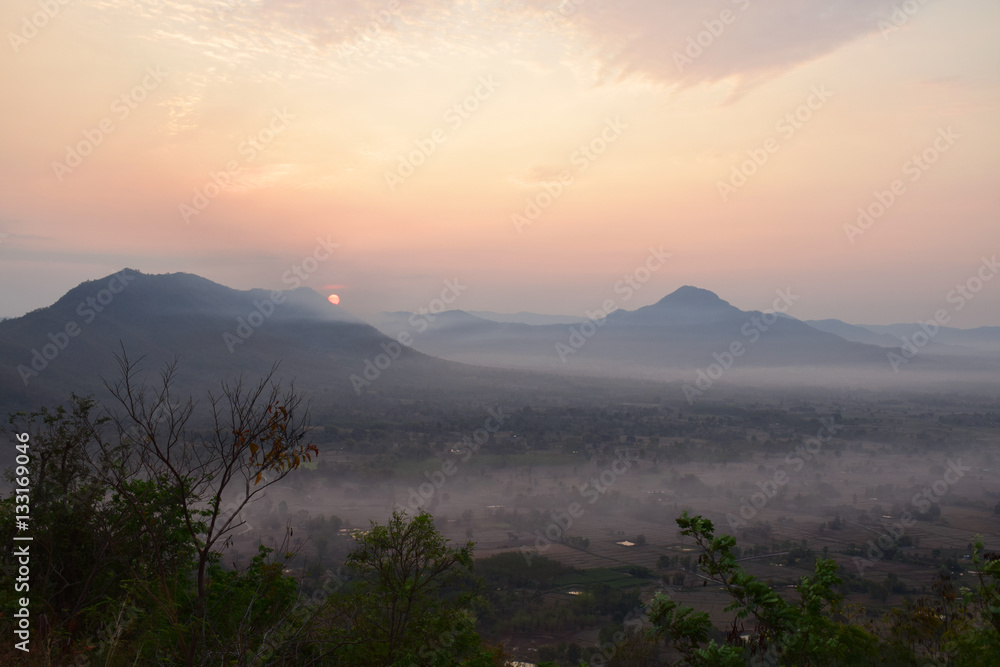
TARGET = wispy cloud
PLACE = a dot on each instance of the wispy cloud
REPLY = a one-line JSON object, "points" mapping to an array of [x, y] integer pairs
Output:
{"points": [[604, 40], [752, 41]]}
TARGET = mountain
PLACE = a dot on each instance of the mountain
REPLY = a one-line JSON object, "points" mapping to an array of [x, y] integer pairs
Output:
{"points": [[981, 339], [393, 323], [216, 332], [854, 332], [941, 341], [527, 318], [685, 306], [683, 330], [460, 336]]}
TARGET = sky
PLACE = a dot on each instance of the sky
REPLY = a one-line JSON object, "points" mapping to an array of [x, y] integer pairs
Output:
{"points": [[536, 152]]}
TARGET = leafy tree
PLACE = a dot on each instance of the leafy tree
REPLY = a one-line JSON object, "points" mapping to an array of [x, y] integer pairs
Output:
{"points": [[811, 632], [243, 606], [404, 605], [132, 509], [73, 557], [958, 627]]}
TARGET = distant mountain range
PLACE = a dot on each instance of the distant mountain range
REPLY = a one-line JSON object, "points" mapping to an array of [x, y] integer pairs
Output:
{"points": [[219, 332], [681, 331], [945, 340], [526, 318]]}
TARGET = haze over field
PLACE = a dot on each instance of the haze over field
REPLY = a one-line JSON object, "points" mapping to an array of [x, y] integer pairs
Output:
{"points": [[564, 453]]}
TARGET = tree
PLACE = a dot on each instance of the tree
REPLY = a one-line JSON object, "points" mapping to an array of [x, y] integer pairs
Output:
{"points": [[810, 632], [958, 627], [243, 606], [405, 606], [253, 441], [133, 508], [573, 653], [73, 560]]}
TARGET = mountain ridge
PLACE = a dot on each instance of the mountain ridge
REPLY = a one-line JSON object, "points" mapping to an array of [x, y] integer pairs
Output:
{"points": [[219, 332]]}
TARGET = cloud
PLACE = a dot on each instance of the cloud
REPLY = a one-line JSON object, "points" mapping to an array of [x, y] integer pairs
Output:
{"points": [[602, 39], [540, 175], [753, 41]]}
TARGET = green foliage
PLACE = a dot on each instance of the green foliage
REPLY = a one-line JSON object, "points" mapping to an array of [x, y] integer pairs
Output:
{"points": [[810, 632], [66, 500], [405, 606], [243, 604], [127, 568], [128, 524], [153, 526], [959, 627], [511, 568], [685, 628], [156, 553]]}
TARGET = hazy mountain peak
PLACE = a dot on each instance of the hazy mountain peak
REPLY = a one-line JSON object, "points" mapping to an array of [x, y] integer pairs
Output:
{"points": [[689, 296], [685, 305], [129, 293]]}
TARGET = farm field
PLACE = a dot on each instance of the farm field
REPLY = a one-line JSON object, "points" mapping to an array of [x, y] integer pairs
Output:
{"points": [[609, 511]]}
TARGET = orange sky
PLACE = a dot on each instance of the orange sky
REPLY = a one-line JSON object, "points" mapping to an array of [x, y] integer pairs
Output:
{"points": [[121, 116]]}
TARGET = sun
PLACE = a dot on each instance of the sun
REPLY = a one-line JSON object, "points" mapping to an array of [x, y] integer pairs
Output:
{"points": [[334, 299]]}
